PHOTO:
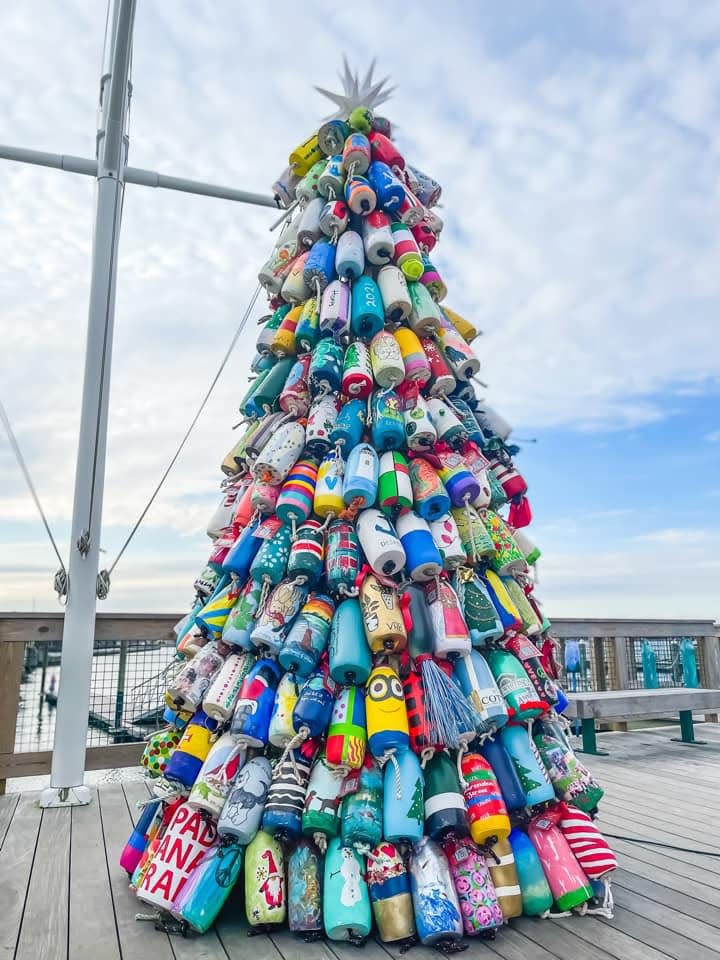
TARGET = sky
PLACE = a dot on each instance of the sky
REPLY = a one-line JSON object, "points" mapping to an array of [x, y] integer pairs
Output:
{"points": [[578, 148]]}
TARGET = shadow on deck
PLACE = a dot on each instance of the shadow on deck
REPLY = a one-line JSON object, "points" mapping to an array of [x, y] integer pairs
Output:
{"points": [[64, 897]]}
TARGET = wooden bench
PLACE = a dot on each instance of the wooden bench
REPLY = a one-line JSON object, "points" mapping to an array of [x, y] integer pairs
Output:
{"points": [[629, 704]]}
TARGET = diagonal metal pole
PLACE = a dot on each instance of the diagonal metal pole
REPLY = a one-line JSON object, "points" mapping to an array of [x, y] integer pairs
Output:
{"points": [[68, 762]]}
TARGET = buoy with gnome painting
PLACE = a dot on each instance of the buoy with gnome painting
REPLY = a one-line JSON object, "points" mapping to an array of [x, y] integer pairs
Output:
{"points": [[360, 719]]}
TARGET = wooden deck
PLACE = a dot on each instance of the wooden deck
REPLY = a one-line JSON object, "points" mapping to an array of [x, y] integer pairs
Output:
{"points": [[64, 897]]}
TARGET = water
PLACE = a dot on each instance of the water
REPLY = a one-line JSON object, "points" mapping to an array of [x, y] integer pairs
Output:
{"points": [[36, 718]]}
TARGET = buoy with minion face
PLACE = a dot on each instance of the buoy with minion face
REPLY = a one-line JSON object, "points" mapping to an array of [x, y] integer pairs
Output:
{"points": [[387, 722]]}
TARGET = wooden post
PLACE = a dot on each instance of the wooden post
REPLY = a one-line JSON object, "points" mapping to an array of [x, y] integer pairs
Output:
{"points": [[599, 662], [44, 660], [120, 691], [621, 679], [12, 658], [710, 659], [622, 663]]}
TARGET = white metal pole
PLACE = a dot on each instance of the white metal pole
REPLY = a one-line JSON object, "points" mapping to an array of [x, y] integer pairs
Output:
{"points": [[68, 763], [146, 178]]}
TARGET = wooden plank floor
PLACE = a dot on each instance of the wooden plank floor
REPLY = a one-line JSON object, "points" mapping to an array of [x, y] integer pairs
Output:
{"points": [[64, 897]]}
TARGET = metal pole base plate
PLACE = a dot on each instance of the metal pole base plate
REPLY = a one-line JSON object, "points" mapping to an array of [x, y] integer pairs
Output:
{"points": [[689, 743], [65, 797]]}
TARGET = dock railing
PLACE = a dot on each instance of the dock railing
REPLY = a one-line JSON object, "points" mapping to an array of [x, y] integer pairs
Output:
{"points": [[133, 651]]}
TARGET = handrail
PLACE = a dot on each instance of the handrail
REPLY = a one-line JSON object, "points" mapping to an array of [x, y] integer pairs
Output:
{"points": [[47, 627], [631, 627], [17, 629], [12, 622]]}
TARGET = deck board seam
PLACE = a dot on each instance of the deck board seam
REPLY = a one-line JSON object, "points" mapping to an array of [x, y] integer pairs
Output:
{"points": [[14, 808], [601, 954], [620, 955], [659, 872], [658, 923], [107, 867], [215, 930], [615, 798], [269, 938], [27, 888], [701, 903]]}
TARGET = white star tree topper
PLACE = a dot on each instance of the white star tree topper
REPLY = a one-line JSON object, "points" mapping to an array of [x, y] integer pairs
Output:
{"points": [[367, 92]]}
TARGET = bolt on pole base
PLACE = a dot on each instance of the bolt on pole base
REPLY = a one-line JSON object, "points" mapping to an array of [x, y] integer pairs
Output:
{"points": [[65, 797]]}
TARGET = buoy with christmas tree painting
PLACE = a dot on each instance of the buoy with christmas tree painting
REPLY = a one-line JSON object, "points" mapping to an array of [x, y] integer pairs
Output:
{"points": [[353, 717]]}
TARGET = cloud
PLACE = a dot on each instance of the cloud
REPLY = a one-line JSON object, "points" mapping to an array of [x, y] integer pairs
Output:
{"points": [[712, 437], [581, 199], [672, 535], [632, 579]]}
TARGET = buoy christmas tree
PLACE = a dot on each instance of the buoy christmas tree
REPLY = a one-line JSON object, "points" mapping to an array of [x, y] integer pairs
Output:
{"points": [[363, 725]]}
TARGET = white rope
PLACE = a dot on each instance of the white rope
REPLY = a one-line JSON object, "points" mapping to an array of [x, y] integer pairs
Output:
{"points": [[104, 576], [61, 577]]}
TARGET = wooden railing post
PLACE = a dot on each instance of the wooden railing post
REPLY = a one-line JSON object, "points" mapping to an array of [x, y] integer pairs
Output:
{"points": [[711, 667], [598, 660], [622, 664], [621, 676], [12, 658], [120, 689]]}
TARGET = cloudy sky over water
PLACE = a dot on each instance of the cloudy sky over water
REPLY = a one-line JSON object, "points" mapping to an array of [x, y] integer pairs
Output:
{"points": [[578, 148]]}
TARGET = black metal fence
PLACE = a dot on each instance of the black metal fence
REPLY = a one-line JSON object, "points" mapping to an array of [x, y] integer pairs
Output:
{"points": [[658, 661], [630, 663], [128, 680]]}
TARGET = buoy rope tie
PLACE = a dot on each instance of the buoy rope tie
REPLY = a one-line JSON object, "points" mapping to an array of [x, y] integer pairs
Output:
{"points": [[264, 593], [289, 752], [329, 517], [463, 747], [396, 771], [144, 803], [104, 575]]}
